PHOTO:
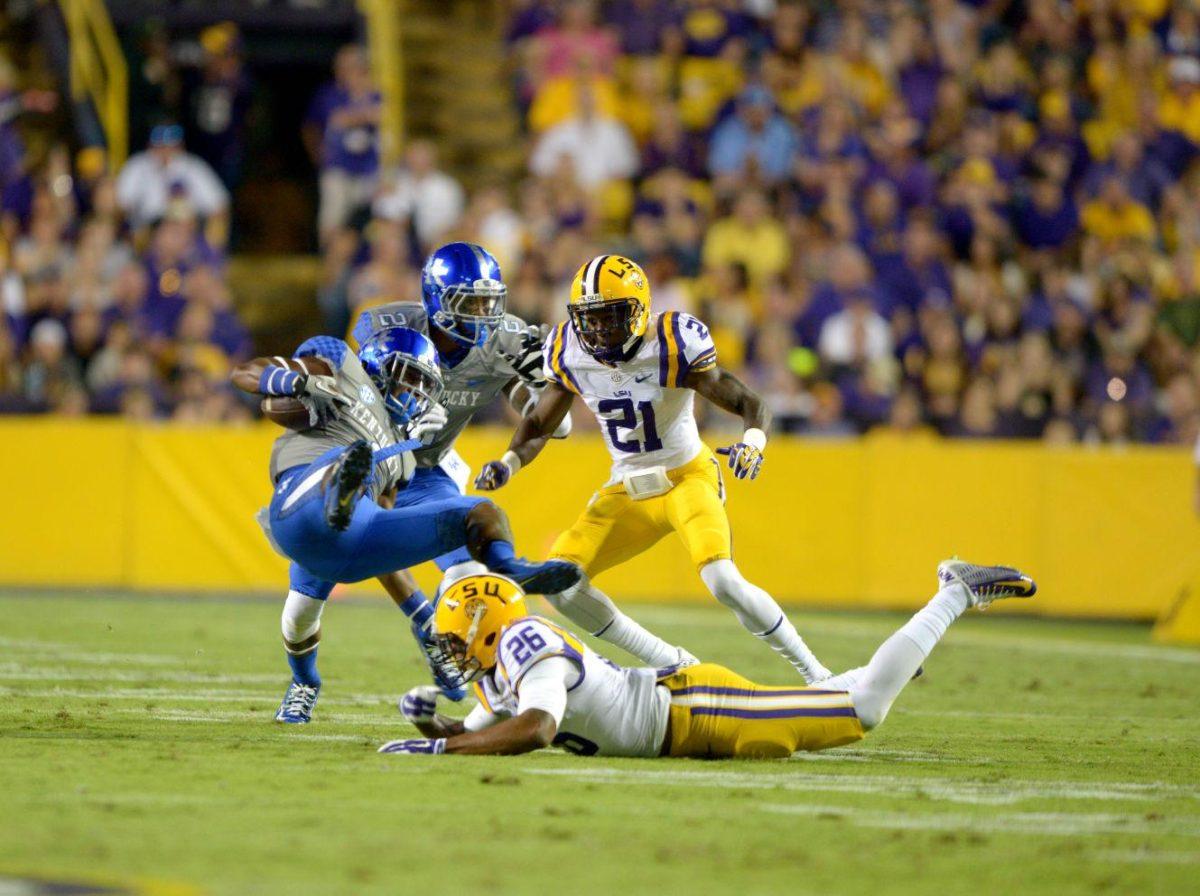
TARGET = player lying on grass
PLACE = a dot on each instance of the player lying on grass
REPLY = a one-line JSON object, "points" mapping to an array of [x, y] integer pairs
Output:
{"points": [[639, 373], [538, 685], [332, 512]]}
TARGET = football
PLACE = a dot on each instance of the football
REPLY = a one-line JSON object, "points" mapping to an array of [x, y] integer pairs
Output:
{"points": [[284, 410]]}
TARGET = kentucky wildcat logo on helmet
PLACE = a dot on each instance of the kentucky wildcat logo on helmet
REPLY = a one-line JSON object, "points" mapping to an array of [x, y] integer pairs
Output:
{"points": [[463, 293], [403, 365], [610, 307], [470, 617]]}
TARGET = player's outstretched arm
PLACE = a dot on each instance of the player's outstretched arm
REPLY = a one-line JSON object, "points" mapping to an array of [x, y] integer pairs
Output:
{"points": [[246, 376], [729, 393], [529, 439], [531, 730], [307, 379]]}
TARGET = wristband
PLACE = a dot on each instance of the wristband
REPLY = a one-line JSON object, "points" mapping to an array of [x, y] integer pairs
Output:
{"points": [[278, 381], [755, 438], [511, 461], [439, 746]]}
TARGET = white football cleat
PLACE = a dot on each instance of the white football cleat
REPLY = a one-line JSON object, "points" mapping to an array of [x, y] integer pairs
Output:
{"points": [[985, 584]]}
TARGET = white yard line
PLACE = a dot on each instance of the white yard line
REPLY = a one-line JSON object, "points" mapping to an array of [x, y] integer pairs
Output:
{"points": [[62, 651], [217, 696], [330, 718], [985, 793], [851, 754], [1036, 823], [13, 672], [1146, 857]]}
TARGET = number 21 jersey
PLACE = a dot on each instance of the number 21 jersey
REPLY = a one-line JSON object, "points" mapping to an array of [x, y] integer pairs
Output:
{"points": [[644, 409]]}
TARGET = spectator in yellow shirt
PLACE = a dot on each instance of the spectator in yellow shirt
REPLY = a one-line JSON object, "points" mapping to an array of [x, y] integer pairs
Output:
{"points": [[1180, 108], [1114, 217], [750, 237]]}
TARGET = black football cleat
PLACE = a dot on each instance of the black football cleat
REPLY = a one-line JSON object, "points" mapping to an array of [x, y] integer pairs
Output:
{"points": [[345, 483]]}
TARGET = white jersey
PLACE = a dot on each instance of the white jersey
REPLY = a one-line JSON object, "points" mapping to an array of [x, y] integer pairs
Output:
{"points": [[644, 409], [611, 710]]}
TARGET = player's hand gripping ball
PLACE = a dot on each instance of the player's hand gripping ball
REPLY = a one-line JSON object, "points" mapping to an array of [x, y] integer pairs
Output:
{"points": [[745, 460], [319, 394]]}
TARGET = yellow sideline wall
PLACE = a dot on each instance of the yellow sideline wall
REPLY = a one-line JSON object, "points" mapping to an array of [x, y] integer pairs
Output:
{"points": [[1108, 533]]}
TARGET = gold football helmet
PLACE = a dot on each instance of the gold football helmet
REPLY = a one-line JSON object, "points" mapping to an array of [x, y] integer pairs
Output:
{"points": [[469, 618], [610, 306]]}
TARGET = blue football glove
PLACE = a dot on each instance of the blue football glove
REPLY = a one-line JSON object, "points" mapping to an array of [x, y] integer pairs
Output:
{"points": [[494, 475], [416, 746], [745, 460], [420, 703]]}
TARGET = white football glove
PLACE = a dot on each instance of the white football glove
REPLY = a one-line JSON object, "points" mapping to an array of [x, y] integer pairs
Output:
{"points": [[319, 394], [420, 703], [428, 424]]}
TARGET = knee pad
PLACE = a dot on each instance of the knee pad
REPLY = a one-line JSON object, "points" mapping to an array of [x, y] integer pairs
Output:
{"points": [[585, 606], [301, 622]]}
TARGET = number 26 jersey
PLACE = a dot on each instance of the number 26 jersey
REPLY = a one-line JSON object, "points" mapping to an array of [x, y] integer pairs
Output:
{"points": [[644, 409]]}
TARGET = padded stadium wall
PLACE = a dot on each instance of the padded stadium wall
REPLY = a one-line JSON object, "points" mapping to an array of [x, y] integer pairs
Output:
{"points": [[1108, 533]]}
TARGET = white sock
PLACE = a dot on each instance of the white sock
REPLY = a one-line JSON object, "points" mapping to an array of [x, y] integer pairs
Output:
{"points": [[844, 681], [758, 612], [589, 607], [301, 622], [632, 638], [899, 657]]}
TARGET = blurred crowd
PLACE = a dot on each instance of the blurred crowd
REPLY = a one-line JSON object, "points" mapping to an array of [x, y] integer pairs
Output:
{"points": [[978, 219], [112, 283], [974, 219]]}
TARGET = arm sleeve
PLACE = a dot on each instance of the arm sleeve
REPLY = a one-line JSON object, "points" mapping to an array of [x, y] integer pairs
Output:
{"points": [[327, 347], [544, 686]]}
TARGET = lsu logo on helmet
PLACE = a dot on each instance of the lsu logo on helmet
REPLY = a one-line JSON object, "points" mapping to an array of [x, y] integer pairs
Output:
{"points": [[469, 618]]}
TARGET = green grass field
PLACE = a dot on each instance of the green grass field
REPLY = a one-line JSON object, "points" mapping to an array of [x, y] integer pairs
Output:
{"points": [[137, 746]]}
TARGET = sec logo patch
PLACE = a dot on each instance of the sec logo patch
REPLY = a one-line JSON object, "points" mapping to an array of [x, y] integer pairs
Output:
{"points": [[366, 394]]}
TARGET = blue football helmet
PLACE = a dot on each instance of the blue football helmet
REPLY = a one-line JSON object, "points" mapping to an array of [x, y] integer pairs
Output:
{"points": [[404, 366], [463, 293]]}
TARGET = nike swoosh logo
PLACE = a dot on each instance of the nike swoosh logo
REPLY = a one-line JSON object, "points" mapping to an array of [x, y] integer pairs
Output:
{"points": [[642, 378]]}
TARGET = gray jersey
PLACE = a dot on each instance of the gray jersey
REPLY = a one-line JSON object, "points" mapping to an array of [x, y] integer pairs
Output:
{"points": [[365, 418], [474, 382]]}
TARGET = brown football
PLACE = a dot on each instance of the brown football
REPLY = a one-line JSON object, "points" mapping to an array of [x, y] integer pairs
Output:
{"points": [[284, 410]]}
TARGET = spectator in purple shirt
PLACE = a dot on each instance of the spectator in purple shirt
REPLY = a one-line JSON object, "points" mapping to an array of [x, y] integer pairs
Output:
{"points": [[896, 161], [341, 133], [1047, 218], [918, 276], [1145, 177], [641, 25]]}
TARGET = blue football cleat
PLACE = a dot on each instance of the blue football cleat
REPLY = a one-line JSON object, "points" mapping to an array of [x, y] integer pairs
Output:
{"points": [[298, 704], [345, 483], [550, 577], [986, 583], [444, 672]]}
